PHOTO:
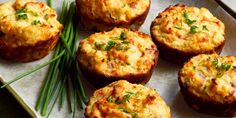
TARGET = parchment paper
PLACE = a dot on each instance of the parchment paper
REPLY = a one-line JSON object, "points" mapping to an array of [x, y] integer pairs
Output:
{"points": [[164, 78]]}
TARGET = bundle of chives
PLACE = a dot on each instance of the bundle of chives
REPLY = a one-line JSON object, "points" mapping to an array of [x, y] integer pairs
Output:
{"points": [[66, 66], [62, 77]]}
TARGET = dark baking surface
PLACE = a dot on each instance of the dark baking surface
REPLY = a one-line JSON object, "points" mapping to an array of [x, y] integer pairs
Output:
{"points": [[9, 107]]}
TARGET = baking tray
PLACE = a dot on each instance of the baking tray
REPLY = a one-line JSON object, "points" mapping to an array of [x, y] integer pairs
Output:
{"points": [[164, 78]]}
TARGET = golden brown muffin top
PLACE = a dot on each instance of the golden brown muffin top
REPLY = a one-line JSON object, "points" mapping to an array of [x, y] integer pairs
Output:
{"points": [[111, 11], [211, 77], [122, 99], [188, 29], [26, 22], [119, 52]]}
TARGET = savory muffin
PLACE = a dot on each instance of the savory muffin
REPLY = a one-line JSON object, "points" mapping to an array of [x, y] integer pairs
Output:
{"points": [[29, 30], [181, 32], [104, 15], [208, 83], [122, 99], [118, 54]]}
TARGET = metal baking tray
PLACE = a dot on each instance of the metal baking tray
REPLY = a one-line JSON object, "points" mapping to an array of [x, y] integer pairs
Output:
{"points": [[164, 78]]}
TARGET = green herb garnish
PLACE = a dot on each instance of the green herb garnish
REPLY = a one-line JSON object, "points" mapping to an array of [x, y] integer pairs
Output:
{"points": [[187, 20], [110, 45], [220, 73], [134, 115], [125, 42], [204, 27], [190, 22], [99, 46], [128, 96], [124, 110], [110, 99], [114, 38], [179, 28], [193, 29], [21, 14], [122, 36], [36, 22], [34, 13], [185, 15], [215, 63], [221, 69], [225, 66], [46, 17]]}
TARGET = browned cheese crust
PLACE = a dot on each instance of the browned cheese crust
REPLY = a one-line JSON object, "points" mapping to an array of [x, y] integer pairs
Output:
{"points": [[182, 32], [29, 30], [105, 57], [104, 15], [122, 99], [208, 84]]}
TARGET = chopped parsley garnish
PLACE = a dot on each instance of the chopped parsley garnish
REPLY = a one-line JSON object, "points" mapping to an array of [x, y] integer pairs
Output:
{"points": [[221, 68], [134, 115], [225, 66], [190, 22], [193, 29], [36, 22], [185, 15], [34, 13], [99, 46], [115, 38], [204, 27], [124, 110], [20, 14], [187, 20], [126, 98], [46, 17], [110, 45], [110, 99], [220, 73], [215, 62], [125, 42], [122, 36], [179, 28]]}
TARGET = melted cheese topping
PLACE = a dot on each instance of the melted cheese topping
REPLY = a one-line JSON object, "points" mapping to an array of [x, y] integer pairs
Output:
{"points": [[122, 99], [135, 54], [26, 22], [211, 77], [188, 29], [113, 10]]}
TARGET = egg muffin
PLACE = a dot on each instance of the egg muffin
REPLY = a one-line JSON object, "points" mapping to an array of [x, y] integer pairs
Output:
{"points": [[208, 84], [117, 54], [29, 30], [122, 99], [181, 32], [104, 15]]}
